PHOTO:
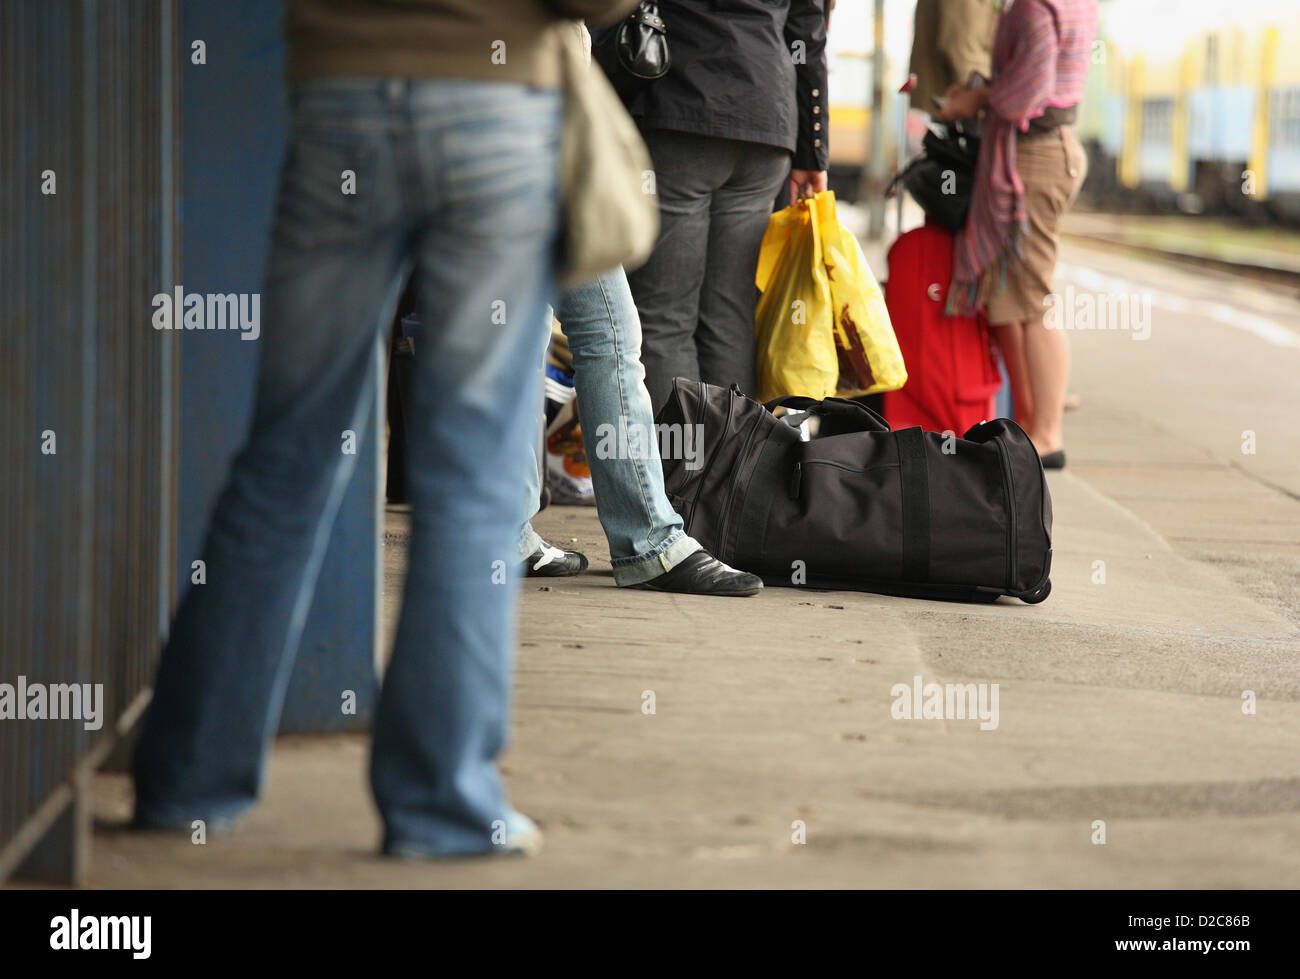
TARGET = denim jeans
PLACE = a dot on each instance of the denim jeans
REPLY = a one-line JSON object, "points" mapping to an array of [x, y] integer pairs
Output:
{"points": [[644, 532], [696, 294], [458, 181]]}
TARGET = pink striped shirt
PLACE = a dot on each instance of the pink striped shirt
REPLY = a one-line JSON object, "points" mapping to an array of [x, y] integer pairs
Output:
{"points": [[1040, 58]]}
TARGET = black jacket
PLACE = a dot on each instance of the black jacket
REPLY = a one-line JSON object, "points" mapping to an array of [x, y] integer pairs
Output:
{"points": [[745, 69]]}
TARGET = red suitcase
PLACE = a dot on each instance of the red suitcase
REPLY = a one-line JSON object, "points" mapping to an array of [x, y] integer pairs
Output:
{"points": [[952, 372]]}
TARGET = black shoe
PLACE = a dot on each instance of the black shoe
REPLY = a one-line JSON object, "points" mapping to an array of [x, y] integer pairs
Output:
{"points": [[551, 562], [1054, 460], [703, 574]]}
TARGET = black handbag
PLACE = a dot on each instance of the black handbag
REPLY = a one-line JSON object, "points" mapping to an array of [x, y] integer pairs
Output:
{"points": [[634, 53], [942, 178], [859, 506]]}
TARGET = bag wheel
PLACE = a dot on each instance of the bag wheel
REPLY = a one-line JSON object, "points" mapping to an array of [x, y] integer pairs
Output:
{"points": [[1038, 594]]}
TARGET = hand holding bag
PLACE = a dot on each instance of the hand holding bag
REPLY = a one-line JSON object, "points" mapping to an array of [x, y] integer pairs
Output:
{"points": [[821, 323], [794, 319]]}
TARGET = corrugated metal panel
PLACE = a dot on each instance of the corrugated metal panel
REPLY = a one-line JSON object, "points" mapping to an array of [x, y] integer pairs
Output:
{"points": [[88, 94]]}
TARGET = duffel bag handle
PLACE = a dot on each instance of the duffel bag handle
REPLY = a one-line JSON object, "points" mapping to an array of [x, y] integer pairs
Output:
{"points": [[863, 417]]}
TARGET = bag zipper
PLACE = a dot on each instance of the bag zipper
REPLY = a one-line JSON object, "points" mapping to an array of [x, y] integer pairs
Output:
{"points": [[735, 485], [796, 478], [704, 410], [1008, 484]]}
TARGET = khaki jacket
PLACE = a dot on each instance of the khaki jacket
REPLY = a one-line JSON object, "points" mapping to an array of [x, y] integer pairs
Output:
{"points": [[953, 38], [480, 40]]}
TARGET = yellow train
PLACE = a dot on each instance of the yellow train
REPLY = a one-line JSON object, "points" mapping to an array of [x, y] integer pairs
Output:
{"points": [[1208, 122], [1212, 126]]}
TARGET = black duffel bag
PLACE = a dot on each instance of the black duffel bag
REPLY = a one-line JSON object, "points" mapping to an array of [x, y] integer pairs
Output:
{"points": [[859, 506]]}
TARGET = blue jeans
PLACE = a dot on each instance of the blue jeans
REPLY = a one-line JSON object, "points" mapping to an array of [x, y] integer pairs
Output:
{"points": [[457, 180], [644, 532]]}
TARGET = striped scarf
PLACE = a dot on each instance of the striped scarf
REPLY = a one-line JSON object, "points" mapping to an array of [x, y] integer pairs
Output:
{"points": [[1040, 58]]}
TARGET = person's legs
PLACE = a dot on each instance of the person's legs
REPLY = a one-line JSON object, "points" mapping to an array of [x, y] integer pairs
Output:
{"points": [[1047, 353], [644, 532], [1052, 169], [539, 558], [1019, 297], [738, 217], [1010, 340], [488, 174], [334, 269], [529, 540], [667, 287]]}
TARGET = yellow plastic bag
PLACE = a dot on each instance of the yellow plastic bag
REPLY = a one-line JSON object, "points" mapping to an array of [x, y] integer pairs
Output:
{"points": [[822, 325], [794, 319], [870, 360]]}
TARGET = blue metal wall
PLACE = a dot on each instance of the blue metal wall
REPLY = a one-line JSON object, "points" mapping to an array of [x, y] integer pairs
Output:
{"points": [[88, 528], [97, 536], [233, 118]]}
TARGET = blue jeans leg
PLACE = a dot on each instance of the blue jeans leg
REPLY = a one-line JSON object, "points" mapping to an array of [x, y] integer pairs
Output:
{"points": [[460, 178], [331, 282], [643, 530], [485, 261], [529, 539]]}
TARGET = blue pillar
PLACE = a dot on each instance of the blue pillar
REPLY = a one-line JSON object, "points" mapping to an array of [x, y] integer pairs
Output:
{"points": [[233, 123]]}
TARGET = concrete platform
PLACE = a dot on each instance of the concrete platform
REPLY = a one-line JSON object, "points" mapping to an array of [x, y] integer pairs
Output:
{"points": [[1119, 702]]}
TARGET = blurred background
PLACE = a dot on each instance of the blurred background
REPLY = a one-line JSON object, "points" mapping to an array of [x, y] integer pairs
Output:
{"points": [[1192, 111]]}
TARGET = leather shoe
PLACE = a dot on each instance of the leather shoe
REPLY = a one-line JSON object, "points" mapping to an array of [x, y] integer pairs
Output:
{"points": [[703, 574]]}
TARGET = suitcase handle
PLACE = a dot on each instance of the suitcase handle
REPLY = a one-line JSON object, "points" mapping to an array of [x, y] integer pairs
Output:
{"points": [[862, 417]]}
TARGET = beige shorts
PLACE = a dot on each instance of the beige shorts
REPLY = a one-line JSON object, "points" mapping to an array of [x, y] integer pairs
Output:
{"points": [[1052, 167]]}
